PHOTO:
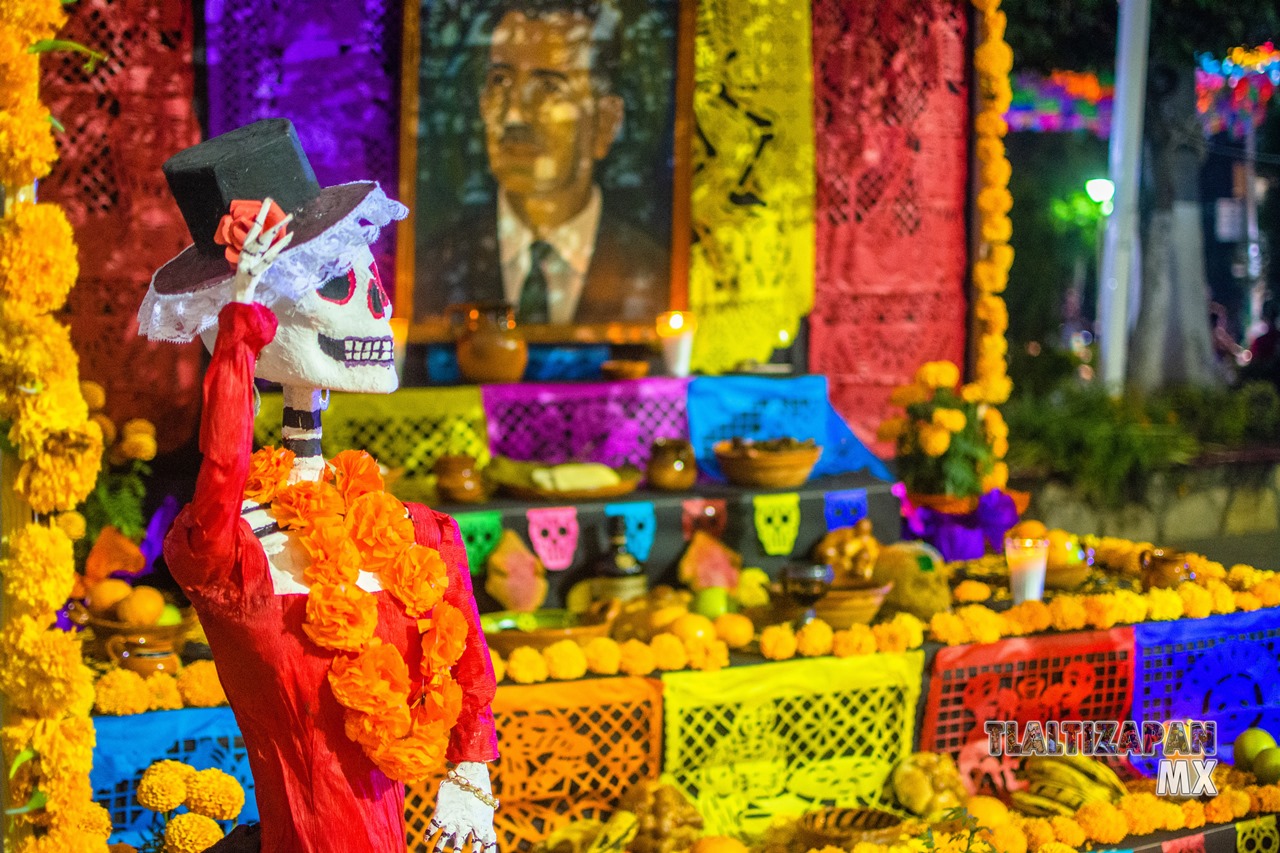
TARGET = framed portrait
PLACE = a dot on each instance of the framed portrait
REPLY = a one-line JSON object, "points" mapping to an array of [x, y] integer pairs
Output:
{"points": [[545, 161]]}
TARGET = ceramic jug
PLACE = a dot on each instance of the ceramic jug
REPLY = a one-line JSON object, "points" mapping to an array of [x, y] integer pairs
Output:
{"points": [[1165, 569], [490, 349], [672, 467]]}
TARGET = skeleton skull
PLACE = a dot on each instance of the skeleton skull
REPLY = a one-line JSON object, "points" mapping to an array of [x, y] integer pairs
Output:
{"points": [[337, 337]]}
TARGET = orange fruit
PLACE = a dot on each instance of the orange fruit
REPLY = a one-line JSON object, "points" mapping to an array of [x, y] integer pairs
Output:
{"points": [[693, 626], [735, 629], [719, 844], [988, 811], [106, 594], [662, 618], [143, 606], [1028, 529]]}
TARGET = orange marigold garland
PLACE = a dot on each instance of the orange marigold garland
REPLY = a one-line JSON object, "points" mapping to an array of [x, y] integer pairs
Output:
{"points": [[348, 524]]}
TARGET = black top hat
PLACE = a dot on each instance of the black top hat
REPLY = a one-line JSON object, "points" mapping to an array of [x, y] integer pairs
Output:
{"points": [[255, 162]]}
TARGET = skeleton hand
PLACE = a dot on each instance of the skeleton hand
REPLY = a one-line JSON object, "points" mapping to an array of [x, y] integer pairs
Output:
{"points": [[260, 251], [462, 815]]}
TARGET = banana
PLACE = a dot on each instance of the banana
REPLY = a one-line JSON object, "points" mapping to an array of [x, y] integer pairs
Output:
{"points": [[1097, 771], [1033, 804], [1050, 770]]}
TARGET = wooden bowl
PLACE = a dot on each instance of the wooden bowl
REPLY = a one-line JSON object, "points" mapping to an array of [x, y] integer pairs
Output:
{"points": [[846, 827], [624, 369], [769, 469], [845, 606], [1067, 577], [554, 626]]}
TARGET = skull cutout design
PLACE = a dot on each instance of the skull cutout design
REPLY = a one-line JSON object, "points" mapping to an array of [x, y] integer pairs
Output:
{"points": [[337, 337], [554, 534]]}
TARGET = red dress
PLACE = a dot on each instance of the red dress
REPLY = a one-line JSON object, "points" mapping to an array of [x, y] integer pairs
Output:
{"points": [[316, 789]]}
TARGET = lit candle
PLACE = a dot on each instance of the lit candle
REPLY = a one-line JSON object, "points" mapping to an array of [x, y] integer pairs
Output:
{"points": [[1027, 559], [399, 341], [675, 332]]}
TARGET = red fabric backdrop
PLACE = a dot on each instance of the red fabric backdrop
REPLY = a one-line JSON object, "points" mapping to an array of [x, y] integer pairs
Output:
{"points": [[122, 122], [892, 125]]}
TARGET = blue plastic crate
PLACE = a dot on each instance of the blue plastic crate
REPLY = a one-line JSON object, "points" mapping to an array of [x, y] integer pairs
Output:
{"points": [[201, 737]]}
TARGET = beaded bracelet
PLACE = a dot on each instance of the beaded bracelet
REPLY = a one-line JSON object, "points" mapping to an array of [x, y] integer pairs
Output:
{"points": [[472, 788]]}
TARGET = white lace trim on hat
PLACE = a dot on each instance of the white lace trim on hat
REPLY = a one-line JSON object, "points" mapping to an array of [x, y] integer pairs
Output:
{"points": [[180, 317]]}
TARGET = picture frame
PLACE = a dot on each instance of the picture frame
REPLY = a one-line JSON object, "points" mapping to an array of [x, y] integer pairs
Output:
{"points": [[448, 249]]}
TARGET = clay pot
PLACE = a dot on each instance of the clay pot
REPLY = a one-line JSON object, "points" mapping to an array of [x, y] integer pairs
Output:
{"points": [[457, 480], [672, 467], [490, 350], [1165, 569], [143, 653]]}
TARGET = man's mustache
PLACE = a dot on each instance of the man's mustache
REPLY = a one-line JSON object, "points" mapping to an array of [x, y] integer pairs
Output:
{"points": [[518, 134]]}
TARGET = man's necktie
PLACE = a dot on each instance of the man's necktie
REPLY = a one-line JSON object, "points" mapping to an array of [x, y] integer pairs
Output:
{"points": [[533, 294]]}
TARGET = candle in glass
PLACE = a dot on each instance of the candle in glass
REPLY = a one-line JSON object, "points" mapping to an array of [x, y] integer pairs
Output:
{"points": [[675, 332], [1027, 559]]}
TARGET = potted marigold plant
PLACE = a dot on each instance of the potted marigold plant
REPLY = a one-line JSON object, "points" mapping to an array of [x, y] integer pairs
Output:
{"points": [[950, 446]]}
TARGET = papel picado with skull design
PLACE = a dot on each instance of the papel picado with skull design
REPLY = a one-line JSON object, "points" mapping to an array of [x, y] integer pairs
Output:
{"points": [[342, 621]]}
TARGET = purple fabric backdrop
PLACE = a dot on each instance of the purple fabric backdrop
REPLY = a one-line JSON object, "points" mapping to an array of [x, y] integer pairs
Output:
{"points": [[332, 68]]}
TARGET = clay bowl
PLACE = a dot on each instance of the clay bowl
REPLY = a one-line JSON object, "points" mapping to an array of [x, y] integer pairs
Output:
{"points": [[845, 606], [624, 369], [846, 827], [145, 649], [1066, 577], [548, 627], [769, 469]]}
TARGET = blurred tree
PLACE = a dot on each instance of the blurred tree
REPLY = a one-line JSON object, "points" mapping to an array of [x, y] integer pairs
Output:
{"points": [[1171, 344]]}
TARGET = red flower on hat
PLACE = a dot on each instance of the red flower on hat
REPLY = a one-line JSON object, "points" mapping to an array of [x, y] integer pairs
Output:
{"points": [[234, 226]]}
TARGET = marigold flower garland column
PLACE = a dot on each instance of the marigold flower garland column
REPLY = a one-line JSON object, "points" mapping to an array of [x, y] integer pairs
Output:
{"points": [[51, 461], [993, 63]]}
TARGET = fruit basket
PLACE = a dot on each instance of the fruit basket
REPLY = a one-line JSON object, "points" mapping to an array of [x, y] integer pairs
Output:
{"points": [[845, 827], [782, 463], [507, 631]]}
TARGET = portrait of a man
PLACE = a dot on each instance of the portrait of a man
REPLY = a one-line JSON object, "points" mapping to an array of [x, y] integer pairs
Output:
{"points": [[554, 238]]}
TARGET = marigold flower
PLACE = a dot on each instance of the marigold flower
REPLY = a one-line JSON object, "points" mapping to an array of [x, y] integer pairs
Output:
{"points": [[1101, 611], [669, 653], [984, 624], [814, 639], [565, 660], [444, 639], [1197, 602], [413, 758], [121, 692], [971, 592], [93, 819], [38, 267], [1193, 814], [1039, 832], [39, 572], [370, 680], [71, 523], [499, 666], [354, 473], [857, 640], [1242, 577], [162, 692], [1247, 601], [952, 420], [1031, 617], [380, 527], [891, 429], [1102, 823], [191, 833], [949, 629], [375, 731], [1068, 613], [1007, 838], [1140, 813], [998, 478], [299, 506], [1067, 831], [707, 654], [335, 558], [778, 642], [340, 616], [527, 666], [1219, 810], [418, 577], [62, 473], [139, 446], [938, 374], [890, 638], [26, 138], [163, 785], [1268, 591], [1224, 599], [934, 440], [636, 658], [1056, 847], [214, 794], [199, 685], [1164, 605], [269, 470], [908, 395], [604, 656], [1132, 606]]}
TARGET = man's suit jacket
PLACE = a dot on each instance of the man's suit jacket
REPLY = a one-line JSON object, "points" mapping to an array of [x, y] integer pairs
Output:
{"points": [[629, 278]]}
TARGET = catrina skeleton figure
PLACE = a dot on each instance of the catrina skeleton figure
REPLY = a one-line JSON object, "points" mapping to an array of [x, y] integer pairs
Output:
{"points": [[342, 621]]}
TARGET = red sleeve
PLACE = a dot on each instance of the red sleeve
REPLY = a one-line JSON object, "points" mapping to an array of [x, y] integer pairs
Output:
{"points": [[210, 521], [474, 737]]}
